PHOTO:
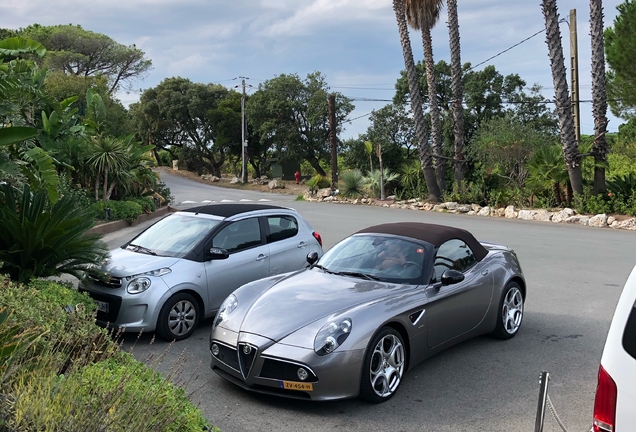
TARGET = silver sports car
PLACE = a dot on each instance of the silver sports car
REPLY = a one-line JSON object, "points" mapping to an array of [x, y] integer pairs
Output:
{"points": [[374, 306]]}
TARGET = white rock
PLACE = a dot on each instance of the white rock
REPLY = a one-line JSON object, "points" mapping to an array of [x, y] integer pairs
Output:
{"points": [[611, 220], [578, 219], [385, 205], [614, 224], [471, 213], [526, 214], [328, 199], [451, 205], [542, 215], [484, 211], [629, 224], [427, 206], [439, 208], [599, 221], [509, 212], [464, 208], [272, 185], [475, 207], [323, 192], [235, 180], [562, 215]]}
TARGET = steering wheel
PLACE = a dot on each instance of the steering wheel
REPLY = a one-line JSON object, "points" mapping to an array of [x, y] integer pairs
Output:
{"points": [[412, 263]]}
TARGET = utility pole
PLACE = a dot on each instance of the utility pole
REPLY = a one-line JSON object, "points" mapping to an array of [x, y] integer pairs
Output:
{"points": [[574, 73], [333, 142], [243, 140]]}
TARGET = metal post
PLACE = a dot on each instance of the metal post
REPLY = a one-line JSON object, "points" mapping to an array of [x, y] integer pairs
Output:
{"points": [[243, 142], [574, 74], [543, 398], [333, 141]]}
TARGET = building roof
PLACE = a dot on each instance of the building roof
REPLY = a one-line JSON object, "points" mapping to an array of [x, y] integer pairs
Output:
{"points": [[430, 233]]}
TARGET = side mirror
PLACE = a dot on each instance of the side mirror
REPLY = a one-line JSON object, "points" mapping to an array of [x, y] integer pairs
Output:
{"points": [[312, 257], [450, 277], [218, 254]]}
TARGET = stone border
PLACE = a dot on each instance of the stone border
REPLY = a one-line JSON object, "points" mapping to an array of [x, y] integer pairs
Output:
{"points": [[566, 215], [109, 227]]}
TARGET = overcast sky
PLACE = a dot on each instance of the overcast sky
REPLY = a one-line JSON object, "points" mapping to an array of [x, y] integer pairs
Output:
{"points": [[355, 43]]}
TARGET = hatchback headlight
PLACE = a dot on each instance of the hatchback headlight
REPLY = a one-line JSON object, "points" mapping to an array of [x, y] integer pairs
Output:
{"points": [[227, 307], [332, 335], [139, 283]]}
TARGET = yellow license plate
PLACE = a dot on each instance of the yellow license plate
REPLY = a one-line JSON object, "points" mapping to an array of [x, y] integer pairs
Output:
{"points": [[292, 385]]}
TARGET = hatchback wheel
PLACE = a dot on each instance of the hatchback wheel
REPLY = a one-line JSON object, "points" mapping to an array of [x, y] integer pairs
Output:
{"points": [[178, 318], [510, 312], [384, 366]]}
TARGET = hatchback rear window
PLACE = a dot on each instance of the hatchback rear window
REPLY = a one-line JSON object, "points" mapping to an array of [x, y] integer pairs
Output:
{"points": [[629, 336]]}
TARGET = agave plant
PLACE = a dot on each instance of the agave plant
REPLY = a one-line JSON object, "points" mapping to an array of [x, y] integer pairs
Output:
{"points": [[373, 180], [352, 183], [38, 239]]}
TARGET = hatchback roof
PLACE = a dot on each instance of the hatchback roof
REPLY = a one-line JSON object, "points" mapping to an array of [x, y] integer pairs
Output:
{"points": [[228, 210]]}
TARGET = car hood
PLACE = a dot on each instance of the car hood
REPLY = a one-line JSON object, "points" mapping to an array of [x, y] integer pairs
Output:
{"points": [[122, 262], [305, 297]]}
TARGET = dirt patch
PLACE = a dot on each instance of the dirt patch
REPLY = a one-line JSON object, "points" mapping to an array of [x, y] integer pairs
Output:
{"points": [[290, 188]]}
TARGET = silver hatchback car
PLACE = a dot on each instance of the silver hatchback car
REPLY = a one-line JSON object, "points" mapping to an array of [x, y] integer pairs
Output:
{"points": [[181, 268]]}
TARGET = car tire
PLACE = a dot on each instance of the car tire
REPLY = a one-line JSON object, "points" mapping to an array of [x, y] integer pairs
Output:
{"points": [[510, 312], [383, 367], [178, 318]]}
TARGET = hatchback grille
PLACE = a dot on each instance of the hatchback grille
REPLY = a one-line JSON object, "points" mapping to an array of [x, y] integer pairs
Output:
{"points": [[107, 281]]}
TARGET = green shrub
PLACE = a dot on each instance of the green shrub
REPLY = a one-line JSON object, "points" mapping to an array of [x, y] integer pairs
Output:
{"points": [[120, 210], [70, 376], [352, 183], [164, 191], [164, 158], [318, 182], [147, 204], [41, 240]]}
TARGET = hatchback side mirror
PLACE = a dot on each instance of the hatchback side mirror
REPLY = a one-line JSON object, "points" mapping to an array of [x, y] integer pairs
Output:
{"points": [[450, 277], [218, 254], [312, 257]]}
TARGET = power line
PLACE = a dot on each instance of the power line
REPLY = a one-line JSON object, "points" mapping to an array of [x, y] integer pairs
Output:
{"points": [[356, 118]]}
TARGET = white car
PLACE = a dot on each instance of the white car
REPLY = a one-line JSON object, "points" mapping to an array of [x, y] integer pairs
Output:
{"points": [[615, 402]]}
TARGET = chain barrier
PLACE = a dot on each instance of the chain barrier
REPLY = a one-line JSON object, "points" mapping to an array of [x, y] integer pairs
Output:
{"points": [[544, 400]]}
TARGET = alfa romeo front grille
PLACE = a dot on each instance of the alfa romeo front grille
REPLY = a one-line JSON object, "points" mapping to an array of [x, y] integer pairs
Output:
{"points": [[246, 356]]}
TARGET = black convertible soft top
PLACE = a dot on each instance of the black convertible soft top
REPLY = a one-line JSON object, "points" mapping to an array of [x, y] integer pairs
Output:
{"points": [[430, 233]]}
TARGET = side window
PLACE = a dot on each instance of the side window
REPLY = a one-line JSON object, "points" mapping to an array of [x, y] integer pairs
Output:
{"points": [[238, 236], [454, 254], [281, 228]]}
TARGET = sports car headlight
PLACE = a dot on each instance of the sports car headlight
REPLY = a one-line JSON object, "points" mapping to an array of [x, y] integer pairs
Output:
{"points": [[332, 335], [227, 307], [139, 283]]}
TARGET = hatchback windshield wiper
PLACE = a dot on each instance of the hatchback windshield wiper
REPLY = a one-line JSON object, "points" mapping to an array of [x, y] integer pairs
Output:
{"points": [[357, 274], [142, 249]]}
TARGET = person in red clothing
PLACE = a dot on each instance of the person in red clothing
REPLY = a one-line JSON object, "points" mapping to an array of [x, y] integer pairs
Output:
{"points": [[297, 176]]}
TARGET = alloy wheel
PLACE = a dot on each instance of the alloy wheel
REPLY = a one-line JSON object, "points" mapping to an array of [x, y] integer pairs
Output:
{"points": [[182, 317], [387, 365], [512, 310]]}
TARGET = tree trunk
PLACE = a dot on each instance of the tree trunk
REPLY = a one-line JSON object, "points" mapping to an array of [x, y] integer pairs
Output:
{"points": [[104, 196], [571, 153], [315, 164], [97, 187], [456, 84], [436, 130], [110, 191], [599, 95], [416, 104], [556, 187]]}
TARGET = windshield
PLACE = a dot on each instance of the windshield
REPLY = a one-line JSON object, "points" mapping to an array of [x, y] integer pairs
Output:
{"points": [[388, 259], [174, 236]]}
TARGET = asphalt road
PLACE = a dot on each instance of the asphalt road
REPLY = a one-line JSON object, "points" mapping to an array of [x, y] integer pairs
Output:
{"points": [[574, 276]]}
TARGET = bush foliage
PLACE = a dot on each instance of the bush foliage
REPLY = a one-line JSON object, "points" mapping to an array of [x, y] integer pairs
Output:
{"points": [[120, 210]]}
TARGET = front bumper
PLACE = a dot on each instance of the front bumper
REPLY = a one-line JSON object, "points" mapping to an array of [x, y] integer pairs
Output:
{"points": [[270, 364], [121, 310]]}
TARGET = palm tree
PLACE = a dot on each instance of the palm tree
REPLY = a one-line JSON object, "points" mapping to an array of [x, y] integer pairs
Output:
{"points": [[570, 148], [368, 147], [546, 172], [423, 15], [107, 154], [416, 103], [599, 94], [456, 84]]}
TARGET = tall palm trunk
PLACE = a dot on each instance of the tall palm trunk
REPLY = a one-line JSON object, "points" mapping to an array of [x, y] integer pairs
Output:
{"points": [[436, 129], [416, 103], [456, 84], [571, 153], [105, 196], [599, 95]]}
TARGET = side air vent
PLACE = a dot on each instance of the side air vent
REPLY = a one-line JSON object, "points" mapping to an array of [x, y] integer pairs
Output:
{"points": [[416, 316]]}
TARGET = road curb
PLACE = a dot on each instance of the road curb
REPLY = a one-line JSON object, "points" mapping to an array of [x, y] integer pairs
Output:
{"points": [[109, 227]]}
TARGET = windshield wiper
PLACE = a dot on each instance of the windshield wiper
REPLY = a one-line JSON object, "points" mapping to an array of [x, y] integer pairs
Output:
{"points": [[326, 270], [357, 274], [137, 248]]}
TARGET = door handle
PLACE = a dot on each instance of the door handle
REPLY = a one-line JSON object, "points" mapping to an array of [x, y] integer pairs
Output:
{"points": [[301, 245], [484, 272], [261, 257]]}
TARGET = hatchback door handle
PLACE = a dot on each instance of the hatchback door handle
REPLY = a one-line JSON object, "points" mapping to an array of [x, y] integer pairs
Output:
{"points": [[261, 257], [484, 272], [301, 245]]}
